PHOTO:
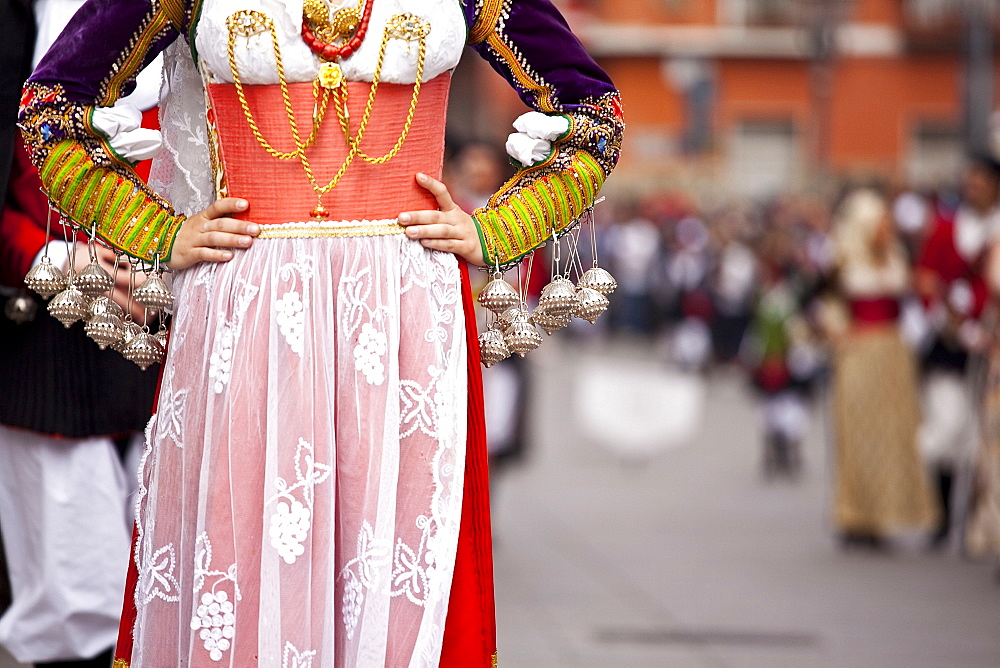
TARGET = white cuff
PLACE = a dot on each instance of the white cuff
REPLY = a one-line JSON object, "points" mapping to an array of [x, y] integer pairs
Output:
{"points": [[526, 150], [541, 126], [121, 124]]}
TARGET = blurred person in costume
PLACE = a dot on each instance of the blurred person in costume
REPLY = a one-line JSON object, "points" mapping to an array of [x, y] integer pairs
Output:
{"points": [[734, 284], [70, 418], [950, 281], [17, 34], [982, 532], [880, 482], [314, 488], [783, 357]]}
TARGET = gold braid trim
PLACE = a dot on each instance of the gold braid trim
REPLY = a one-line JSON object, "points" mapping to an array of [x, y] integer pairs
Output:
{"points": [[122, 663], [486, 20], [129, 62], [177, 15], [318, 230]]}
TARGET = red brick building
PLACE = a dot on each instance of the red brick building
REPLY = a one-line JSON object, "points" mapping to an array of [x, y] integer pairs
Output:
{"points": [[760, 96]]}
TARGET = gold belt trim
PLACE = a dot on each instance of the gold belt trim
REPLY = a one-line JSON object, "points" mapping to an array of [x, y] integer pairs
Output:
{"points": [[323, 229]]}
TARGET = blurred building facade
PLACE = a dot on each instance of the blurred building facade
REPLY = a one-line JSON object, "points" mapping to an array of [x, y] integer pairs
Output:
{"points": [[758, 97]]}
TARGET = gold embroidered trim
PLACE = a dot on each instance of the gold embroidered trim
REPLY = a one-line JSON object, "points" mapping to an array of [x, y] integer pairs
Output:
{"points": [[319, 231], [176, 14], [486, 20], [129, 62], [522, 72], [122, 663]]}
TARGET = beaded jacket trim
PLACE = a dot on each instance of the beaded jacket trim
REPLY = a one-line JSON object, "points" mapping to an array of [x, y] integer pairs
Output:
{"points": [[87, 182]]}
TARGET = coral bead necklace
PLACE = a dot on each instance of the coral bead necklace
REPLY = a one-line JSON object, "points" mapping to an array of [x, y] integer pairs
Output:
{"points": [[320, 30]]}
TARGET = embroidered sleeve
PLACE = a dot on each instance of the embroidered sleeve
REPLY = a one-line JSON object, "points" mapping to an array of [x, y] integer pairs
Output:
{"points": [[530, 44], [92, 64]]}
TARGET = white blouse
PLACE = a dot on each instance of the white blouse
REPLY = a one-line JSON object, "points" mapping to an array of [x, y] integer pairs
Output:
{"points": [[256, 64]]}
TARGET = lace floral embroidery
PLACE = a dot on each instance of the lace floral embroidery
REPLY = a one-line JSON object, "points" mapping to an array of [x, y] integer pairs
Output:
{"points": [[368, 354], [171, 421], [294, 658], [291, 307], [220, 363], [414, 570], [362, 573], [158, 579], [291, 320], [215, 617], [292, 518], [215, 621], [183, 172]]}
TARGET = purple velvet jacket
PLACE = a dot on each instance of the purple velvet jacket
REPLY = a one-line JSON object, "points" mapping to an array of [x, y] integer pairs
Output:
{"points": [[108, 42]]}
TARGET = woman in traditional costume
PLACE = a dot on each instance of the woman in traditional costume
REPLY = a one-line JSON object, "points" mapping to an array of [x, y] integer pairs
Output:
{"points": [[314, 487], [881, 484]]}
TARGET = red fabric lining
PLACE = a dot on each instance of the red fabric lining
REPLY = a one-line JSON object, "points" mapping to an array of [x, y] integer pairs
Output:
{"points": [[470, 630]]}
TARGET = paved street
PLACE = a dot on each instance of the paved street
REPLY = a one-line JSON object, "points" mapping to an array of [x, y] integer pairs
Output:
{"points": [[666, 548], [685, 557]]}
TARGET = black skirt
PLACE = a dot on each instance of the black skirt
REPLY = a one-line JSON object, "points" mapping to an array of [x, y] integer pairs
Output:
{"points": [[57, 381]]}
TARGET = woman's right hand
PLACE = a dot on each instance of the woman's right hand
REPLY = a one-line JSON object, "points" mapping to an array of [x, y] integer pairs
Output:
{"points": [[208, 236]]}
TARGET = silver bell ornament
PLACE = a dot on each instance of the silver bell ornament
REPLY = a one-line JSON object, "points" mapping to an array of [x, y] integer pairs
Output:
{"points": [[522, 338], [154, 294], [519, 332], [509, 317], [130, 330], [143, 350], [598, 279], [558, 297], [93, 280], [161, 336], [46, 279], [498, 295], [514, 314], [550, 322], [105, 329], [20, 308], [69, 306], [492, 347], [105, 305], [592, 304]]}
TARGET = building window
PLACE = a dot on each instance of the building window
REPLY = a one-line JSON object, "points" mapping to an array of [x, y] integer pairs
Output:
{"points": [[935, 154], [760, 12], [764, 157]]}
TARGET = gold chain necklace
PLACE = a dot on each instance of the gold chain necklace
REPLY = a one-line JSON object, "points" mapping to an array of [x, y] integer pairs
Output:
{"points": [[406, 27]]}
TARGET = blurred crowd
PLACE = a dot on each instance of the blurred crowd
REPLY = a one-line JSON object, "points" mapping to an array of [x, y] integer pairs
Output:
{"points": [[879, 300]]}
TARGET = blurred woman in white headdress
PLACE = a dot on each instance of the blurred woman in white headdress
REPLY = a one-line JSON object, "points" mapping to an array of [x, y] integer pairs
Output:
{"points": [[880, 482]]}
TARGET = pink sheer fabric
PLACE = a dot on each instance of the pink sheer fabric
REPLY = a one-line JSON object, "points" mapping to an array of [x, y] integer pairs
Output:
{"points": [[301, 489]]}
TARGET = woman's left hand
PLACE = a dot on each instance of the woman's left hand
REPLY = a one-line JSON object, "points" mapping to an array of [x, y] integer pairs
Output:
{"points": [[450, 229]]}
